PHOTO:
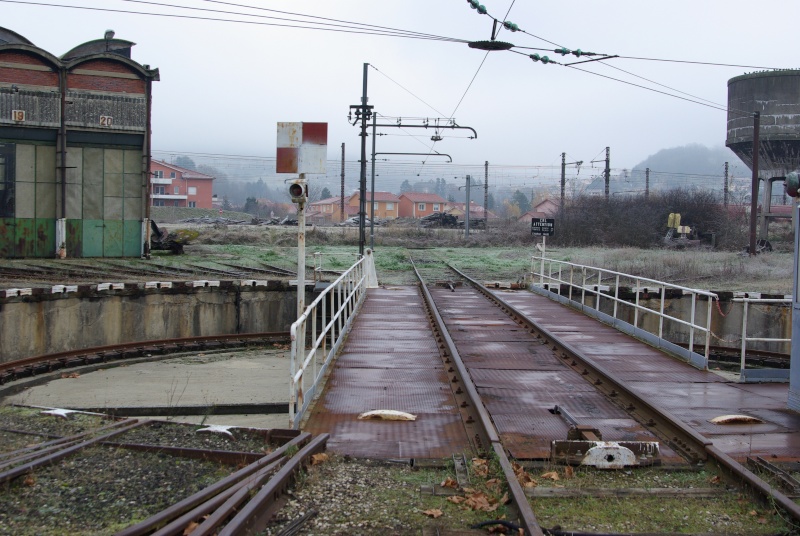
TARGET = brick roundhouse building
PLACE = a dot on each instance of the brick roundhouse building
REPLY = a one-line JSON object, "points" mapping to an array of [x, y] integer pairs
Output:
{"points": [[74, 149]]}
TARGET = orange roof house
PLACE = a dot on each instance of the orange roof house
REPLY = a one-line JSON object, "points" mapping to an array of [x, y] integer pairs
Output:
{"points": [[418, 205]]}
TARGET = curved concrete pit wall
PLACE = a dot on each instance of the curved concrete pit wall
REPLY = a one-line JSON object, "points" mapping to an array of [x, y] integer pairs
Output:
{"points": [[44, 321]]}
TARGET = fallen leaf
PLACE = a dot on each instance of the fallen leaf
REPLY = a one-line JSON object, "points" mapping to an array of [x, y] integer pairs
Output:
{"points": [[71, 375], [29, 480], [190, 528], [569, 472], [317, 459], [715, 479], [552, 475], [480, 466], [762, 520], [753, 513], [433, 512], [480, 501], [449, 483], [504, 499], [493, 482], [455, 499]]}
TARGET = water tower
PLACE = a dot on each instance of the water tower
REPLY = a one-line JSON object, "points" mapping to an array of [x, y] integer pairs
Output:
{"points": [[776, 95]]}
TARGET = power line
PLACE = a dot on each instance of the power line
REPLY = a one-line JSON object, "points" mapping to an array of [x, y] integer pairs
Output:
{"points": [[315, 17], [702, 63], [659, 84], [354, 30], [406, 90], [715, 107]]}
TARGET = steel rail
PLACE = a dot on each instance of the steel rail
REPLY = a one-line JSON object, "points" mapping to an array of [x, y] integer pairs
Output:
{"points": [[255, 515], [72, 358], [71, 448], [489, 433], [218, 502], [39, 449], [188, 504], [664, 424]]}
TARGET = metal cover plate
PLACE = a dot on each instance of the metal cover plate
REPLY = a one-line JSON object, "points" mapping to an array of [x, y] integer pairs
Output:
{"points": [[431, 436], [419, 397]]}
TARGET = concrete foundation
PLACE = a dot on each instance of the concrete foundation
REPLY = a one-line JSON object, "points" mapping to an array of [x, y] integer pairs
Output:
{"points": [[45, 323]]}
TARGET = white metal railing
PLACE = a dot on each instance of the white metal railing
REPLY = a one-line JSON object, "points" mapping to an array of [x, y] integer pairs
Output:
{"points": [[761, 374], [596, 282], [330, 316]]}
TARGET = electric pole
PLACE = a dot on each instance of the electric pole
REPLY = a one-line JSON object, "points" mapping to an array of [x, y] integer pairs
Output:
{"points": [[647, 183], [466, 212], [341, 198], [486, 195], [363, 113], [608, 171], [564, 165], [372, 191], [725, 187], [563, 178]]}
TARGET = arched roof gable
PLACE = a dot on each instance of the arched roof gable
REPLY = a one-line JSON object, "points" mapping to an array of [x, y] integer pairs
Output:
{"points": [[9, 37], [52, 60], [134, 66]]}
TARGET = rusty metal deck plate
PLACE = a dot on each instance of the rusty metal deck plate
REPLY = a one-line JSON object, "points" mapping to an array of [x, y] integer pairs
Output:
{"points": [[431, 436], [390, 360], [520, 379], [692, 395]]}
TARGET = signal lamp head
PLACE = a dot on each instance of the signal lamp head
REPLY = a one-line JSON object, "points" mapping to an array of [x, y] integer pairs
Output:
{"points": [[792, 183], [298, 193]]}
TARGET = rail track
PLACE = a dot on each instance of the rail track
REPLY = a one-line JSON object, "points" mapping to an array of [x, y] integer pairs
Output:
{"points": [[33, 366], [241, 502], [692, 447]]}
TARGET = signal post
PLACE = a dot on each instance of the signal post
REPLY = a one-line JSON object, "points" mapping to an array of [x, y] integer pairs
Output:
{"points": [[302, 148]]}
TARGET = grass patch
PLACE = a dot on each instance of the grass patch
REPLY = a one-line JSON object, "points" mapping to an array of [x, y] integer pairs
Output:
{"points": [[732, 514]]}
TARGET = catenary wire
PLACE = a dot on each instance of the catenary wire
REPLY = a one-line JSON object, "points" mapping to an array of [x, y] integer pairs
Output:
{"points": [[315, 17], [217, 19], [407, 90]]}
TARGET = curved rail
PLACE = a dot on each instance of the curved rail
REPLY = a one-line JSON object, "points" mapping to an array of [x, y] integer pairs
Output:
{"points": [[488, 435], [681, 437], [31, 366]]}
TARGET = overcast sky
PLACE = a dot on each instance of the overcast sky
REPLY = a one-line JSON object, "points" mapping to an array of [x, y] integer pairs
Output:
{"points": [[225, 85]]}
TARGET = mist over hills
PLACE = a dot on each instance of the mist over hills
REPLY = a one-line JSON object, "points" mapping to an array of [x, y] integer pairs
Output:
{"points": [[692, 159]]}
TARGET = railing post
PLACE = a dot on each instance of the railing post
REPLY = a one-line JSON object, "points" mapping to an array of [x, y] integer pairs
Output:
{"points": [[744, 336], [571, 273], [692, 324], [636, 307], [661, 313], [616, 296], [583, 288], [312, 312], [292, 386], [597, 294], [708, 329]]}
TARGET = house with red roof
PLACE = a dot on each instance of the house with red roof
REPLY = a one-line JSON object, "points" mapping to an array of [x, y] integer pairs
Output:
{"points": [[418, 205], [174, 186], [328, 210], [387, 204], [475, 210]]}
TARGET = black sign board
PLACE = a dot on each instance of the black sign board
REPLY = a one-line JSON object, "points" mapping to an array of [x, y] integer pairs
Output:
{"points": [[543, 226]]}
